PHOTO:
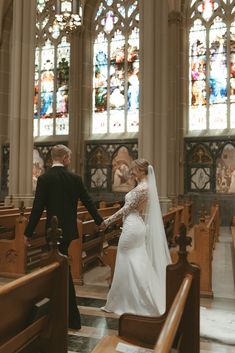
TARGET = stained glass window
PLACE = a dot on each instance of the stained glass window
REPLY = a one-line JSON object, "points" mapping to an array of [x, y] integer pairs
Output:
{"points": [[116, 67], [52, 61], [211, 65]]}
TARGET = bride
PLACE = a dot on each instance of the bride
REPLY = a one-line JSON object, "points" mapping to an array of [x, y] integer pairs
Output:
{"points": [[139, 282]]}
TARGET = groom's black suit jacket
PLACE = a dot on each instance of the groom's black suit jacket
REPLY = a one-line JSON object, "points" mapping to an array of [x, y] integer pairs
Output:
{"points": [[58, 191]]}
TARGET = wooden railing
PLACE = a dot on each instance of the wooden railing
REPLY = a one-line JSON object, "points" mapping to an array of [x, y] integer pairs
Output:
{"points": [[170, 327]]}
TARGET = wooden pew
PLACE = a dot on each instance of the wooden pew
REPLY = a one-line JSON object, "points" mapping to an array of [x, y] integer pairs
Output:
{"points": [[89, 247], [216, 211], [204, 237], [27, 210], [86, 249], [6, 207], [171, 221], [34, 308], [104, 212], [182, 309], [15, 258], [187, 214], [12, 248], [15, 210]]}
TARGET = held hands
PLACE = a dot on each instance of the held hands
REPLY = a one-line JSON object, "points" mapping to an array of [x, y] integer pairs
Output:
{"points": [[102, 226]]}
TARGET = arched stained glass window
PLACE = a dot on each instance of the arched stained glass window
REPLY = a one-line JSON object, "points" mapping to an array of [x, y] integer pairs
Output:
{"points": [[52, 61], [212, 65], [116, 67]]}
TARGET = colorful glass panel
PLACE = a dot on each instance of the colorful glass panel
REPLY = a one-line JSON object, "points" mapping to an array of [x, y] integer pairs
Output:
{"points": [[211, 65], [62, 93], [47, 81], [109, 22], [207, 8], [117, 74], [218, 62], [36, 83], [100, 84], [232, 63], [52, 61], [198, 63], [133, 82], [116, 68]]}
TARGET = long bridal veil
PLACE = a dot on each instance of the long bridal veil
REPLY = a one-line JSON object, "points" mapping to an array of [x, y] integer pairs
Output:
{"points": [[156, 241]]}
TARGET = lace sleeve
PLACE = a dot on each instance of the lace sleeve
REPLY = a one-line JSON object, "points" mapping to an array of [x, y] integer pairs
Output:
{"points": [[134, 200]]}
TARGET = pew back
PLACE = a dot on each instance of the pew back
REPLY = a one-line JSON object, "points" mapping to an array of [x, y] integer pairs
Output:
{"points": [[13, 253], [33, 310], [205, 235]]}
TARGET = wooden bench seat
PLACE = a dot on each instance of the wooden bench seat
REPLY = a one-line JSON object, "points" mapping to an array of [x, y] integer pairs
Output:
{"points": [[171, 221], [33, 309]]}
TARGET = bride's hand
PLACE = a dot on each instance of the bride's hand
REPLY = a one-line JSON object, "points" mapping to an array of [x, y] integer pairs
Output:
{"points": [[102, 226]]}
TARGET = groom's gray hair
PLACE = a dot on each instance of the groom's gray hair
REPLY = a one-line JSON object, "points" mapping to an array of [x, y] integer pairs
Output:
{"points": [[59, 151]]}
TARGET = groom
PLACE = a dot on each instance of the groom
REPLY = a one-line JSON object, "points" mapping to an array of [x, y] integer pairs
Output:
{"points": [[58, 191]]}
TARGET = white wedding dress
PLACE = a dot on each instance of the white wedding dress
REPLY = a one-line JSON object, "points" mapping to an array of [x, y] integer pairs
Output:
{"points": [[136, 287]]}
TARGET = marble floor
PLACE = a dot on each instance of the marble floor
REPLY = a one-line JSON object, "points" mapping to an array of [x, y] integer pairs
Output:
{"points": [[95, 323]]}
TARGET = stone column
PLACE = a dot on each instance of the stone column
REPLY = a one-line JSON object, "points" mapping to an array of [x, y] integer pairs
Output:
{"points": [[153, 139], [21, 101], [175, 121], [5, 52], [76, 136]]}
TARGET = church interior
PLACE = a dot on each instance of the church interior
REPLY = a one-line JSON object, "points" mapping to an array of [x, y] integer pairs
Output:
{"points": [[117, 80]]}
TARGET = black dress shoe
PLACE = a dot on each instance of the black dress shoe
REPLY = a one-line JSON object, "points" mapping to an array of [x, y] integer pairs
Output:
{"points": [[74, 325]]}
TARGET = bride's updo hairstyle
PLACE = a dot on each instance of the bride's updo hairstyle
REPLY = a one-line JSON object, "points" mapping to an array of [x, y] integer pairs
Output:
{"points": [[141, 164]]}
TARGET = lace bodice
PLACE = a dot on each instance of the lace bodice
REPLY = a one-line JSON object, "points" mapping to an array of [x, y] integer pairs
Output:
{"points": [[135, 201]]}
